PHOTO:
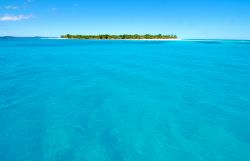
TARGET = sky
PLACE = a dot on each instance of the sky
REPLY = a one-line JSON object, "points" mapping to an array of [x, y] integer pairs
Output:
{"points": [[208, 19]]}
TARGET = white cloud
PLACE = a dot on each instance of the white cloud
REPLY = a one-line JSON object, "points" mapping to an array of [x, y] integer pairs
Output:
{"points": [[11, 7], [15, 18]]}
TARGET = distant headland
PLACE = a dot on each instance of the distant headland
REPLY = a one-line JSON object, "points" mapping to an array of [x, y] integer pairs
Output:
{"points": [[120, 37]]}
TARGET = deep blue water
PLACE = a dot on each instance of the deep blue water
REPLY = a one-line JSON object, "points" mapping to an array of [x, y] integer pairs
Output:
{"points": [[77, 100]]}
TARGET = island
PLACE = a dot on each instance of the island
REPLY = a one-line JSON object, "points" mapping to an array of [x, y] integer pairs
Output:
{"points": [[120, 37]]}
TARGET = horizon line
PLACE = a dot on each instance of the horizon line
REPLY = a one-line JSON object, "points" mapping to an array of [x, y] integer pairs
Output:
{"points": [[125, 34]]}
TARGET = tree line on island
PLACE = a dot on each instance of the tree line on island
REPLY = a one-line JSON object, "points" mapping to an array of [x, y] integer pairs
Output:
{"points": [[125, 36]]}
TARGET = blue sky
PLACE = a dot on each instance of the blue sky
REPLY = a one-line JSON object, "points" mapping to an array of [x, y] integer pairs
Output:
{"points": [[228, 19]]}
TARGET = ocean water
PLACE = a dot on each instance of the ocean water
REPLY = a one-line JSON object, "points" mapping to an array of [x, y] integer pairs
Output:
{"points": [[80, 100]]}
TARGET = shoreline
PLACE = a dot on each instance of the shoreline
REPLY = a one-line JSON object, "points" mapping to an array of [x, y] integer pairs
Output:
{"points": [[117, 39], [152, 39]]}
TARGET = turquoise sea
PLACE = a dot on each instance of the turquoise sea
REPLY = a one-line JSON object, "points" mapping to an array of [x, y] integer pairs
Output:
{"points": [[97, 100]]}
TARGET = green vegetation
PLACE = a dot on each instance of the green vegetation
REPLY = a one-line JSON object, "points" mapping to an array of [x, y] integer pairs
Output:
{"points": [[106, 36]]}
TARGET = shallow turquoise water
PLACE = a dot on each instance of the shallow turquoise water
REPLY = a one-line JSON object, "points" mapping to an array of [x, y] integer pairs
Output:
{"points": [[76, 100]]}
